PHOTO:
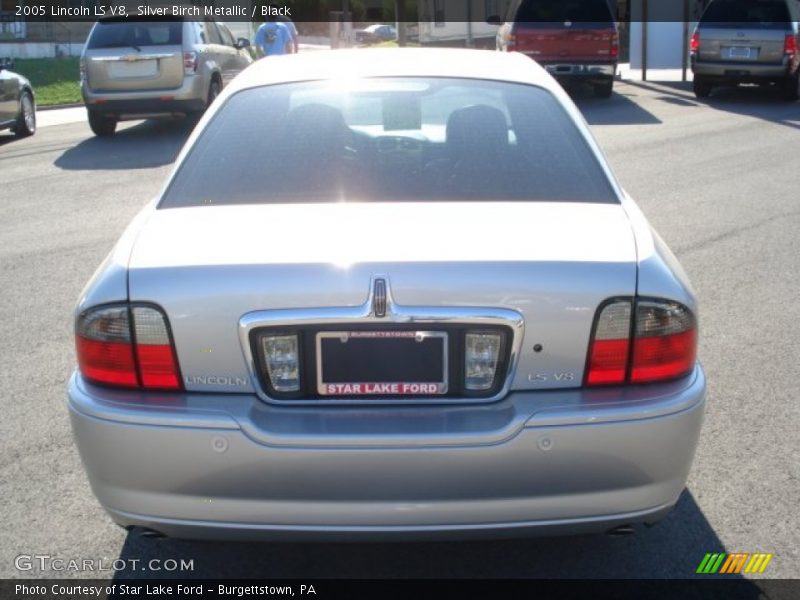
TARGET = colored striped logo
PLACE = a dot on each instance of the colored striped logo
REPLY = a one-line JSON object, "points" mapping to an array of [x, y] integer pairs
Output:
{"points": [[738, 562]]}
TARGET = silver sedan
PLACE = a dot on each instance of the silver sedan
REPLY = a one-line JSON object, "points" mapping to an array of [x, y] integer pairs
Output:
{"points": [[389, 293]]}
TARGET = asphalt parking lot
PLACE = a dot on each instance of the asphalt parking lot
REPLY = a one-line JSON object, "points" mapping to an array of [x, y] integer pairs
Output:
{"points": [[718, 179]]}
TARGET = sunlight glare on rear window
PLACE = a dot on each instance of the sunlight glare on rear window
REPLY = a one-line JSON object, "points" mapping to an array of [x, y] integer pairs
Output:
{"points": [[390, 140]]}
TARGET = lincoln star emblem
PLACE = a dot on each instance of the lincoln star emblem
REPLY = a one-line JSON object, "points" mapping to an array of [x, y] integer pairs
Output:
{"points": [[379, 298]]}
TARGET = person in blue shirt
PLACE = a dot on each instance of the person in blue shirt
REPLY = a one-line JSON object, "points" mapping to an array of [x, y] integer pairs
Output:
{"points": [[292, 31], [273, 39]]}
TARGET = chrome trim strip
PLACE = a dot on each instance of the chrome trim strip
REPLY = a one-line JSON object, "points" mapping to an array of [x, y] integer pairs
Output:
{"points": [[395, 313], [131, 57], [580, 69], [493, 529]]}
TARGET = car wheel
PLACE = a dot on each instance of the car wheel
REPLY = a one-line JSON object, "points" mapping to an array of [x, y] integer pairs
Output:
{"points": [[604, 90], [701, 86], [102, 126], [791, 88], [26, 120], [213, 91]]}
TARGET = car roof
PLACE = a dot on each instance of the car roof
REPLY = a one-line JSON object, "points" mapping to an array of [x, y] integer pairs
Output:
{"points": [[393, 62]]}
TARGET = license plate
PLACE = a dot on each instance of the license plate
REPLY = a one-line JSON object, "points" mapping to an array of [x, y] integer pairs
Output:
{"points": [[381, 363], [137, 68], [740, 52]]}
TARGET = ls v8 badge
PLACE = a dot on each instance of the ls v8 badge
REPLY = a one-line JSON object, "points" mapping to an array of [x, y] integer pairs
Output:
{"points": [[542, 377]]}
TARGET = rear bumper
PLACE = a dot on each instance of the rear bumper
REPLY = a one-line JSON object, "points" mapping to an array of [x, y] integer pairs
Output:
{"points": [[232, 467], [580, 70], [190, 97], [744, 72]]}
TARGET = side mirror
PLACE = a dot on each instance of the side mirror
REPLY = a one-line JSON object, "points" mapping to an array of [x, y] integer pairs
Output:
{"points": [[494, 20], [242, 43]]}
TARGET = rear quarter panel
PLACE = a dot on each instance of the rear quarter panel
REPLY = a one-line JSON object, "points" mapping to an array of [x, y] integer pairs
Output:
{"points": [[660, 274]]}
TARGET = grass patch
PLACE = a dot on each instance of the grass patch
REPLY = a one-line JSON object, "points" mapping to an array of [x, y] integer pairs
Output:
{"points": [[54, 80]]}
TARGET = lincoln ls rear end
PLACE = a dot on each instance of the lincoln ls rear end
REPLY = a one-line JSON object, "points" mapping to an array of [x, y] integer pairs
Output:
{"points": [[388, 294]]}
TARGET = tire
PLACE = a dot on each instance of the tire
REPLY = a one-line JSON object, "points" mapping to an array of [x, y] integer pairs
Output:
{"points": [[701, 87], [26, 120], [604, 90], [213, 91], [102, 126], [791, 88]]}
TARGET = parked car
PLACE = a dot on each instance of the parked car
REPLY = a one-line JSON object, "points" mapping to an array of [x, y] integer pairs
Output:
{"points": [[375, 33], [411, 302], [575, 40], [157, 68], [740, 41], [17, 102]]}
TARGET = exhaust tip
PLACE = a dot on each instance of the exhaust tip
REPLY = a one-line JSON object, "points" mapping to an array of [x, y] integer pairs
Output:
{"points": [[151, 533], [621, 531]]}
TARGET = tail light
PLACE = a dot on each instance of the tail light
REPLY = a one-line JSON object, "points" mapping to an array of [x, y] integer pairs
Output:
{"points": [[608, 355], [158, 367], [129, 347], [83, 70], [661, 344], [615, 45], [103, 344], [790, 45], [694, 44], [665, 341], [190, 60]]}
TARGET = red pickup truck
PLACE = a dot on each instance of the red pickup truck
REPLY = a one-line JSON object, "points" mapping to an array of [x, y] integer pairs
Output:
{"points": [[572, 39]]}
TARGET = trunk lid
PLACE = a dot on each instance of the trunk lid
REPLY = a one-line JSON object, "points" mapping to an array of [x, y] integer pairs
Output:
{"points": [[564, 30], [742, 44], [560, 43], [744, 32], [133, 56], [553, 263]]}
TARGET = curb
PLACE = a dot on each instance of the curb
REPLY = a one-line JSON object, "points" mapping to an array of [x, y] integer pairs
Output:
{"points": [[57, 106]]}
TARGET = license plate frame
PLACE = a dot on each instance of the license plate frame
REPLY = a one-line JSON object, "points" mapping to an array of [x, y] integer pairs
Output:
{"points": [[137, 69], [741, 52], [389, 388]]}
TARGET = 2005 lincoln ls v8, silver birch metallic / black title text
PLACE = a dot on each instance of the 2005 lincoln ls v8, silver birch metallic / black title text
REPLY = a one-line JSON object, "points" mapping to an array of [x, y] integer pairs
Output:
{"points": [[389, 293]]}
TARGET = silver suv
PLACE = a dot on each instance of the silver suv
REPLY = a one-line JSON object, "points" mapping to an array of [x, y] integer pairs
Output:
{"points": [[159, 68], [747, 41]]}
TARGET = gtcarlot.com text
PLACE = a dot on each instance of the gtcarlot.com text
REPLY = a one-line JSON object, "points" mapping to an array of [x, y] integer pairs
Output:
{"points": [[47, 562]]}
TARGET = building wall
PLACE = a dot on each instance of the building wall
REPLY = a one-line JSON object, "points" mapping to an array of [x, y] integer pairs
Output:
{"points": [[455, 20], [34, 39], [668, 25], [38, 49]]}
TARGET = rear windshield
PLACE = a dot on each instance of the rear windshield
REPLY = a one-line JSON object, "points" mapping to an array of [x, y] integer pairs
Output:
{"points": [[769, 14], [389, 139], [561, 11], [137, 34]]}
